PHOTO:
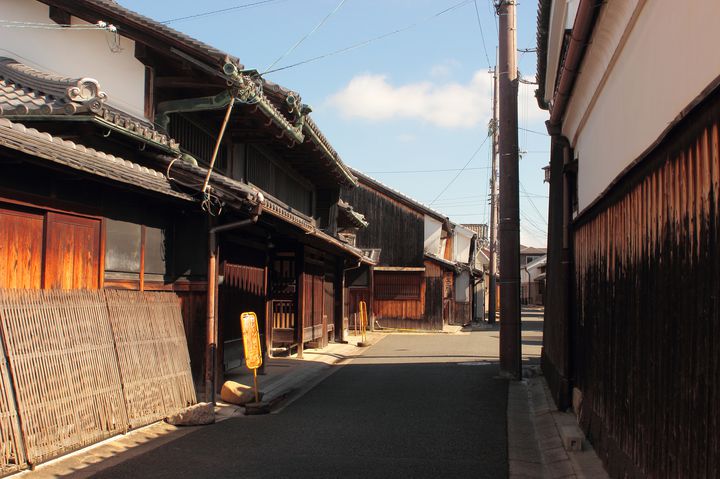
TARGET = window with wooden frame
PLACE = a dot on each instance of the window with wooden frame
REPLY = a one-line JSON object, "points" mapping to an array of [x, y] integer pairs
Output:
{"points": [[397, 285]]}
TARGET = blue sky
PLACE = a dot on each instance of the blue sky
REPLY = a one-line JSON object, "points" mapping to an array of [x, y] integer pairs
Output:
{"points": [[416, 100]]}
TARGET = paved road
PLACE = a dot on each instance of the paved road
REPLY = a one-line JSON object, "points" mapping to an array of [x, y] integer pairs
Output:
{"points": [[406, 409]]}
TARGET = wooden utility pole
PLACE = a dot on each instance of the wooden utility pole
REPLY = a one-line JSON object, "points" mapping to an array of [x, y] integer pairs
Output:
{"points": [[509, 221], [492, 307]]}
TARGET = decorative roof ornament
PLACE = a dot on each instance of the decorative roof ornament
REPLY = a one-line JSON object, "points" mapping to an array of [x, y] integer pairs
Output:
{"points": [[297, 109], [71, 95], [247, 85]]}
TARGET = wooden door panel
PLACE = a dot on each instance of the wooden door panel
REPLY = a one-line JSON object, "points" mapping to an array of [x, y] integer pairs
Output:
{"points": [[21, 257], [72, 252]]}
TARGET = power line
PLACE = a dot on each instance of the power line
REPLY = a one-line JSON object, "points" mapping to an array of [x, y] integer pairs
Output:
{"points": [[426, 171], [532, 203], [461, 170], [222, 10], [533, 131], [315, 28], [371, 40], [58, 26], [482, 35]]}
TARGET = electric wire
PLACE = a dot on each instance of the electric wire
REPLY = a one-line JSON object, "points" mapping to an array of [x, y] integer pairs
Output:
{"points": [[533, 131], [369, 41], [482, 35], [461, 170], [306, 36], [532, 203], [425, 171], [222, 10]]}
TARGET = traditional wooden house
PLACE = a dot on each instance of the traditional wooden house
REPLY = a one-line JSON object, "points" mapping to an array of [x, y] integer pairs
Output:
{"points": [[632, 267], [154, 170], [419, 282]]}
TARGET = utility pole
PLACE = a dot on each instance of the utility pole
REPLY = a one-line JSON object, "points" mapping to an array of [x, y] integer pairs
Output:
{"points": [[509, 221], [492, 313]]}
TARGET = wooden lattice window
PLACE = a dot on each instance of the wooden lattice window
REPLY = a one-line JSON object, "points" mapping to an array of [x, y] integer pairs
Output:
{"points": [[397, 285]]}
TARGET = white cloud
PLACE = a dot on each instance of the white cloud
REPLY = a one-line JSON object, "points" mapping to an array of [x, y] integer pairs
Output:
{"points": [[443, 70], [447, 105], [406, 138]]}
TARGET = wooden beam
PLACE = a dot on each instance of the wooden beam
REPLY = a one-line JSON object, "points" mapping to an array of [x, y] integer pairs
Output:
{"points": [[59, 16], [179, 82]]}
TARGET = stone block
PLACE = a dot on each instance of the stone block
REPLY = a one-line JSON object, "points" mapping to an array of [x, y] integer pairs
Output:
{"points": [[197, 415], [237, 393], [572, 438]]}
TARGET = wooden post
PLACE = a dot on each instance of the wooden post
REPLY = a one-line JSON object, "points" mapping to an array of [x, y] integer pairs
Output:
{"points": [[269, 320], [339, 300], [142, 258], [301, 306], [509, 208], [211, 341]]}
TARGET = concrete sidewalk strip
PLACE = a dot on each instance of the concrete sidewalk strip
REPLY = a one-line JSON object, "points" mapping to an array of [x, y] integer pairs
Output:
{"points": [[535, 445]]}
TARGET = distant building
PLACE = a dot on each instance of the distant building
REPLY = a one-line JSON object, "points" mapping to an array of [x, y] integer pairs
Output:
{"points": [[425, 267]]}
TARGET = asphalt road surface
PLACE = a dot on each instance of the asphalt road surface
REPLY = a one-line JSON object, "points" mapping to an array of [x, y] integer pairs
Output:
{"points": [[414, 406]]}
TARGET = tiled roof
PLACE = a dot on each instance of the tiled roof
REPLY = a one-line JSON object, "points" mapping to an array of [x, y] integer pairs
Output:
{"points": [[44, 146], [532, 250], [356, 219], [26, 93], [402, 197], [311, 129]]}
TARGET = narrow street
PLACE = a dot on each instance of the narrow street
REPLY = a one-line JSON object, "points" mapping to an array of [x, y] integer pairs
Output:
{"points": [[426, 405]]}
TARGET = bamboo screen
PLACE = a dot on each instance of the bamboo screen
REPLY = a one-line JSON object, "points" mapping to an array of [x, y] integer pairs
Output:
{"points": [[152, 354], [64, 370], [79, 366], [173, 368], [12, 453]]}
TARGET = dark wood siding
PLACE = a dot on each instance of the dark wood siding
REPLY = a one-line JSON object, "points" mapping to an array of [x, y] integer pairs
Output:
{"points": [[648, 274], [395, 229]]}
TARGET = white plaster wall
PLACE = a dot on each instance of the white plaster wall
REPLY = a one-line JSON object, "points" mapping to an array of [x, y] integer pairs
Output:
{"points": [[461, 244], [433, 231], [562, 16], [648, 49], [462, 287], [74, 54]]}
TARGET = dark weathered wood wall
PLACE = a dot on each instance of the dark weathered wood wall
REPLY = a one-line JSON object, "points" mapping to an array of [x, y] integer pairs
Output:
{"points": [[557, 318], [648, 267], [394, 228]]}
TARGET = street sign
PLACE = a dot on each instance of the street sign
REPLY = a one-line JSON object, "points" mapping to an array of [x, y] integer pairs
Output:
{"points": [[251, 340], [251, 343]]}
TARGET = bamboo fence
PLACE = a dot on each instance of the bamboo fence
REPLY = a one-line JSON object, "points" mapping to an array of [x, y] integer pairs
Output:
{"points": [[63, 367], [12, 452], [79, 366]]}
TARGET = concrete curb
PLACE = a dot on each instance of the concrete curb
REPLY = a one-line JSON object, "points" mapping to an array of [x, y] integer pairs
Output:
{"points": [[535, 440]]}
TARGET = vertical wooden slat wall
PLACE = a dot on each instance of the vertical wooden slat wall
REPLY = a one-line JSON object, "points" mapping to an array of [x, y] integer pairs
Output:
{"points": [[63, 367], [12, 451], [648, 269]]}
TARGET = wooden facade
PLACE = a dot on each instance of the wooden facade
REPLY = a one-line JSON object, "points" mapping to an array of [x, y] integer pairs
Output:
{"points": [[411, 288], [113, 207]]}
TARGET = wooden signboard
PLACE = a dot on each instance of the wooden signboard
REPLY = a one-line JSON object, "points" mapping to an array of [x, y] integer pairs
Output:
{"points": [[251, 343], [251, 340]]}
